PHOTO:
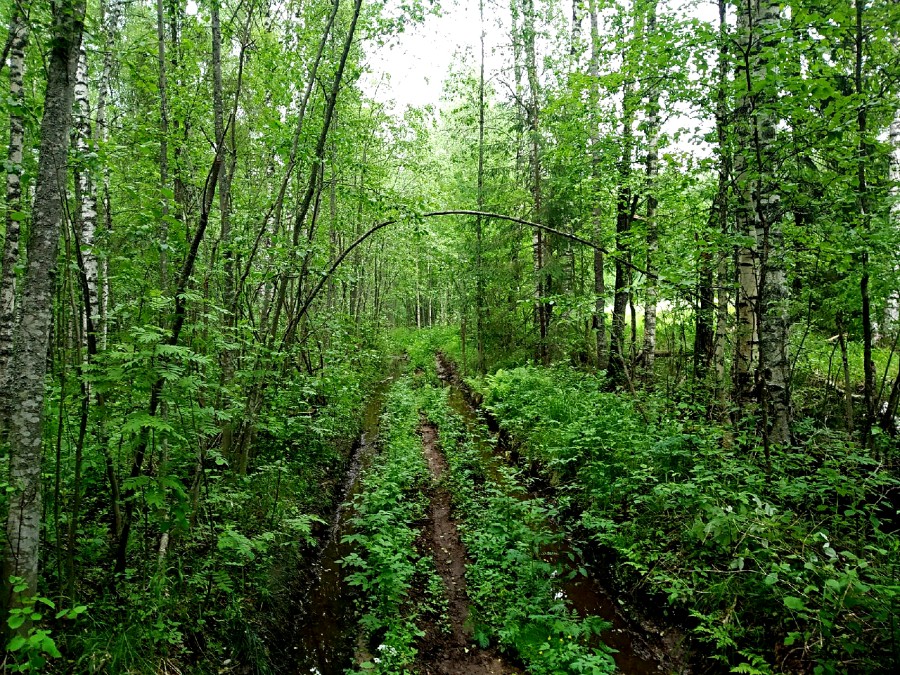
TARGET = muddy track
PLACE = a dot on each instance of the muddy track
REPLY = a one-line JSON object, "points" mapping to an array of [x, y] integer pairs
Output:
{"points": [[642, 645], [321, 638], [456, 653]]}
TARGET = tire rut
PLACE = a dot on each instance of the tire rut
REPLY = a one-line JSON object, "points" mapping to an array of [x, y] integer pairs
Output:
{"points": [[454, 654]]}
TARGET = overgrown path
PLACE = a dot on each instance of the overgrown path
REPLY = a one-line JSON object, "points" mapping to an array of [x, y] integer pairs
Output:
{"points": [[325, 628], [441, 562], [455, 654], [640, 647]]}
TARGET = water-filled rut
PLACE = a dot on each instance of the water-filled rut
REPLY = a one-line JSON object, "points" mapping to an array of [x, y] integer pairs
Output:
{"points": [[639, 650], [325, 632]]}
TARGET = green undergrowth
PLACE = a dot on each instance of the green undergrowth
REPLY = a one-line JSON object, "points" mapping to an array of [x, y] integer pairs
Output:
{"points": [[512, 580], [420, 346], [225, 587], [781, 569], [399, 582]]}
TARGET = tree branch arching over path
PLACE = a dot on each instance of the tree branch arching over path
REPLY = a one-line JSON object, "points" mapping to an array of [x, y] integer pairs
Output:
{"points": [[434, 214]]}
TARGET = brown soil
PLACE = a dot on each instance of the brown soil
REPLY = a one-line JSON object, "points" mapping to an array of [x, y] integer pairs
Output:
{"points": [[454, 653], [642, 645]]}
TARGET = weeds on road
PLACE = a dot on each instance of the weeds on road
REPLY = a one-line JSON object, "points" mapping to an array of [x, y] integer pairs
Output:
{"points": [[386, 564], [512, 580], [785, 565]]}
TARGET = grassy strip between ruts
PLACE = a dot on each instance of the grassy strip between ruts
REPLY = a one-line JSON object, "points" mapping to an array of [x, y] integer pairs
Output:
{"points": [[512, 584], [399, 583]]}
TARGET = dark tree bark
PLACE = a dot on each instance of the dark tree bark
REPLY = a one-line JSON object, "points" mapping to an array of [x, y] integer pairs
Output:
{"points": [[21, 556], [18, 36]]}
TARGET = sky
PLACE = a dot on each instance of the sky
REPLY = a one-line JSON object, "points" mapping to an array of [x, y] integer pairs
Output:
{"points": [[410, 71]]}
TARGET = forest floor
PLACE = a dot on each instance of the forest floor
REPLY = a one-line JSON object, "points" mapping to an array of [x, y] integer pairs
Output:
{"points": [[456, 653], [642, 645], [327, 634]]}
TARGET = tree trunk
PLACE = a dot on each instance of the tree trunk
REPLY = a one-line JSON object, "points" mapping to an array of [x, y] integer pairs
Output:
{"points": [[845, 368], [109, 20], [865, 222], [711, 357], [775, 370], [652, 168], [86, 215], [747, 298], [479, 272], [163, 143], [538, 243], [226, 358], [18, 32], [312, 187], [599, 317], [623, 231], [32, 337]]}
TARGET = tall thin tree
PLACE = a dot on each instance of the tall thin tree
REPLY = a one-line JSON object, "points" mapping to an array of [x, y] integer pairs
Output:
{"points": [[23, 524]]}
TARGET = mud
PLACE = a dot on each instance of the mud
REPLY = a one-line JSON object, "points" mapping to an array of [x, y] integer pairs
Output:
{"points": [[324, 635], [454, 653], [641, 646]]}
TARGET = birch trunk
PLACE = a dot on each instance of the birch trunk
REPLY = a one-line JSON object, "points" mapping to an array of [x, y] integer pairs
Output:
{"points": [[23, 525], [774, 365], [87, 197], [599, 317], [109, 21], [14, 213], [652, 168], [725, 160], [747, 298]]}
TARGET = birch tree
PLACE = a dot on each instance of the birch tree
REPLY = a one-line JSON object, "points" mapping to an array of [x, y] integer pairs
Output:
{"points": [[14, 212], [23, 525]]}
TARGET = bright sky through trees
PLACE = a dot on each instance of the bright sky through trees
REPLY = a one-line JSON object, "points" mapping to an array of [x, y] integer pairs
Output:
{"points": [[410, 70]]}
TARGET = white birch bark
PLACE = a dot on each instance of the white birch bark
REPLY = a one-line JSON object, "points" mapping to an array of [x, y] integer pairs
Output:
{"points": [[652, 290], [747, 296], [774, 366], [109, 21], [87, 206], [23, 525], [14, 212], [599, 317]]}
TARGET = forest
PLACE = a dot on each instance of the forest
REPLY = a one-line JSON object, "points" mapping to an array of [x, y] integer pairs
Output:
{"points": [[588, 364]]}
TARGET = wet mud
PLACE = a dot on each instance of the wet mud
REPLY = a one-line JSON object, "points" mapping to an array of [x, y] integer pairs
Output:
{"points": [[641, 646], [454, 653], [324, 635]]}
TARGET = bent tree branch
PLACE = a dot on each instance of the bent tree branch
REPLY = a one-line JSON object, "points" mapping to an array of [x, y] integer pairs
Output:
{"points": [[450, 212]]}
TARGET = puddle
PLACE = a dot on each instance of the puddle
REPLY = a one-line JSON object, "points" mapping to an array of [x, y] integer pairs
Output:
{"points": [[325, 635]]}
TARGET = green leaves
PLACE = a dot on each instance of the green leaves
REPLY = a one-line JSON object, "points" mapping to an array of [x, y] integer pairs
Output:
{"points": [[512, 582], [386, 563], [794, 603], [789, 545]]}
